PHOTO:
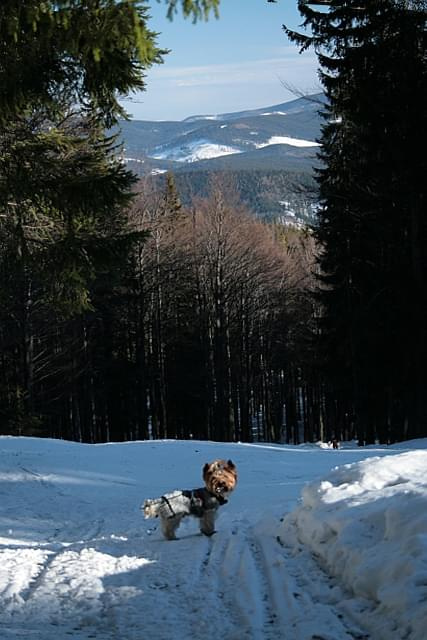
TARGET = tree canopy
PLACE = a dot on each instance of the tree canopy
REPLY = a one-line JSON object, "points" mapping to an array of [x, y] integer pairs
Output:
{"points": [[87, 53], [372, 228], [64, 65]]}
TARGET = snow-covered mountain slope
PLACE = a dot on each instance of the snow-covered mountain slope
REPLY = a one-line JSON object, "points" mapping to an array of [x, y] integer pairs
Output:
{"points": [[261, 150], [307, 104], [201, 138], [77, 559], [194, 151]]}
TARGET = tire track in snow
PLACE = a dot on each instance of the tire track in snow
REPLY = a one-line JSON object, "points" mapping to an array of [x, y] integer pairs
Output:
{"points": [[313, 599], [55, 588], [213, 587], [241, 582], [37, 580], [90, 534], [186, 586], [228, 584], [269, 594], [248, 587]]}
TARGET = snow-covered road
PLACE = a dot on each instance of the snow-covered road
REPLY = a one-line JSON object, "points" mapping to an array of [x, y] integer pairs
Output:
{"points": [[77, 559]]}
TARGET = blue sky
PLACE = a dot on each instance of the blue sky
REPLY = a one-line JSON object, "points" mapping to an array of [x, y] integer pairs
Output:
{"points": [[240, 61]]}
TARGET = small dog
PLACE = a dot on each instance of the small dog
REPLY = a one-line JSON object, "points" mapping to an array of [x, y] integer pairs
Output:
{"points": [[220, 477]]}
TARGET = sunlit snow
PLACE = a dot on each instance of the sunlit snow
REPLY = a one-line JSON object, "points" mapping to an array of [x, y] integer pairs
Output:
{"points": [[126, 159], [315, 543], [274, 113], [293, 142], [194, 151]]}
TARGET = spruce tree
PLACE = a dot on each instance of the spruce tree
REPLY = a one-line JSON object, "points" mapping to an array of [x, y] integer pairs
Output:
{"points": [[64, 65], [371, 227]]}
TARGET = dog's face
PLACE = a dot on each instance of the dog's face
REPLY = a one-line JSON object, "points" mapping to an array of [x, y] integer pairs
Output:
{"points": [[220, 477]]}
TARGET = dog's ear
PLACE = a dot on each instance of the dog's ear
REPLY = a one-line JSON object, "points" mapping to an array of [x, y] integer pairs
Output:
{"points": [[231, 464], [205, 469]]}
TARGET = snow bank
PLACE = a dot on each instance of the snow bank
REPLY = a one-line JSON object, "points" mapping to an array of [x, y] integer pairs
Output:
{"points": [[367, 524]]}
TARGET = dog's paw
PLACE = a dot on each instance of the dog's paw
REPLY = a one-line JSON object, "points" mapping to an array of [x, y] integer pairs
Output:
{"points": [[208, 533]]}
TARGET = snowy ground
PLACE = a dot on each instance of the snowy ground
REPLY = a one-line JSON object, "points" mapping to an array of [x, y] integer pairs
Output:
{"points": [[303, 550]]}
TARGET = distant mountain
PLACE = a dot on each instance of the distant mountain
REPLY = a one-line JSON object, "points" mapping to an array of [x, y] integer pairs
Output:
{"points": [[280, 138], [298, 106]]}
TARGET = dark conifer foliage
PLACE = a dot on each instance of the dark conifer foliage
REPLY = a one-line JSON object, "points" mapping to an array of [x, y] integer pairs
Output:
{"points": [[64, 236], [372, 226]]}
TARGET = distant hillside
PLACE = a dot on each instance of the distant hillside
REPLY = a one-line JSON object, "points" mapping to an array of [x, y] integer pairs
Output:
{"points": [[271, 194], [277, 145]]}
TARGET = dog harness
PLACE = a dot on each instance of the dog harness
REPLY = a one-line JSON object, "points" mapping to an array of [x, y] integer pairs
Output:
{"points": [[201, 500], [167, 501]]}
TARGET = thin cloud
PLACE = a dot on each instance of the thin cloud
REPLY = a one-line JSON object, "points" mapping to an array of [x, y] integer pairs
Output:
{"points": [[180, 91], [259, 71]]}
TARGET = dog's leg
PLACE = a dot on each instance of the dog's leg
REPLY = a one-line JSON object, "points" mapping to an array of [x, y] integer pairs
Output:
{"points": [[207, 522], [169, 526]]}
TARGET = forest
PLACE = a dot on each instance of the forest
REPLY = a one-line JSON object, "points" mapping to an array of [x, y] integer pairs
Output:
{"points": [[128, 312], [262, 191]]}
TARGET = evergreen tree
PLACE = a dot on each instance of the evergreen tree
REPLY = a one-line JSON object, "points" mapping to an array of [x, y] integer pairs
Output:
{"points": [[84, 52], [64, 64], [371, 227]]}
